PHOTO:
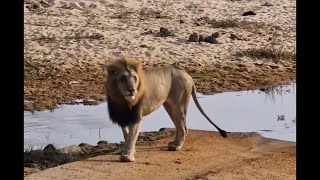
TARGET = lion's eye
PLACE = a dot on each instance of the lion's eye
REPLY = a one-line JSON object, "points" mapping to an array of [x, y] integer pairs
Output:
{"points": [[135, 78], [122, 78]]}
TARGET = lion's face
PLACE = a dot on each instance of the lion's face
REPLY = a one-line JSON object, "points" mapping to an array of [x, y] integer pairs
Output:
{"points": [[125, 81], [128, 82]]}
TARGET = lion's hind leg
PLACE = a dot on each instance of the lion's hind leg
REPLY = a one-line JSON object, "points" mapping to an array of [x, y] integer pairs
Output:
{"points": [[178, 111]]}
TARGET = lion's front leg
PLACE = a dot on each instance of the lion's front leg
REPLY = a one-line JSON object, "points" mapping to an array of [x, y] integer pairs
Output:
{"points": [[130, 142], [125, 132]]}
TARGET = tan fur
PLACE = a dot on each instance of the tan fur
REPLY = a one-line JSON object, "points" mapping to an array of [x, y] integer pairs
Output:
{"points": [[167, 86]]}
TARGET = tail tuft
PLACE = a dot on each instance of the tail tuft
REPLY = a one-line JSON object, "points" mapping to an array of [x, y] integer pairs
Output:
{"points": [[223, 133]]}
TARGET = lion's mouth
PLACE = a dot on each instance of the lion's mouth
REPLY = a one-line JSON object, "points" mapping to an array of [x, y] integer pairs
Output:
{"points": [[129, 97]]}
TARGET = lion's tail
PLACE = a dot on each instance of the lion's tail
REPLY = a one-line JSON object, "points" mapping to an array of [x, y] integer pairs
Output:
{"points": [[223, 133]]}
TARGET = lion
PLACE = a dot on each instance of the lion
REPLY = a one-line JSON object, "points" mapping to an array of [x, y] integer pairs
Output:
{"points": [[133, 93]]}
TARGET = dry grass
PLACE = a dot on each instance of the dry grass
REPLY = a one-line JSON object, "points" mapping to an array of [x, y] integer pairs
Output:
{"points": [[76, 37], [152, 13], [233, 23], [267, 54], [125, 14], [142, 13]]}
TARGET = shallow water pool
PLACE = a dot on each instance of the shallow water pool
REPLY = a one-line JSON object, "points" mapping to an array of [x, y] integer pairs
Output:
{"points": [[270, 112]]}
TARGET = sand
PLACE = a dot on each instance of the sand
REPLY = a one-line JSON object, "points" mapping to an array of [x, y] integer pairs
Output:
{"points": [[93, 31], [68, 44]]}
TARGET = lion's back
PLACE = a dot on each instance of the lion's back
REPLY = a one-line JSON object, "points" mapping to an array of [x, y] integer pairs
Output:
{"points": [[168, 77], [163, 83]]}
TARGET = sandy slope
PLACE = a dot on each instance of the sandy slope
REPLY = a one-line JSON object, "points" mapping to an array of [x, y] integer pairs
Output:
{"points": [[206, 155], [92, 31], [68, 42]]}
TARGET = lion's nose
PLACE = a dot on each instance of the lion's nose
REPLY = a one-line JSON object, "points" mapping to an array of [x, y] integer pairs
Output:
{"points": [[131, 90]]}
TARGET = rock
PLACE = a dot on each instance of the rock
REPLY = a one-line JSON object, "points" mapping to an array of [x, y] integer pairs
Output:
{"points": [[66, 6], [102, 143], [146, 138], [178, 162], [194, 37], [273, 66], [76, 6], [50, 2], [201, 38], [90, 102], [147, 32], [49, 147], [32, 6], [104, 147], [197, 24], [92, 5], [143, 46], [211, 40], [268, 4], [158, 16], [73, 149], [258, 64], [216, 34], [241, 65], [181, 21], [45, 4], [249, 13], [262, 32], [86, 148], [233, 37], [203, 18], [164, 32], [36, 153]]}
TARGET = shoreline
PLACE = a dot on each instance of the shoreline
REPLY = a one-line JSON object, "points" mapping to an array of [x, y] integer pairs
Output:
{"points": [[93, 102], [90, 86]]}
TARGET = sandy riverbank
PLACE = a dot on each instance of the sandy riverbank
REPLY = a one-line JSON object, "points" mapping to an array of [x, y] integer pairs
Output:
{"points": [[67, 44]]}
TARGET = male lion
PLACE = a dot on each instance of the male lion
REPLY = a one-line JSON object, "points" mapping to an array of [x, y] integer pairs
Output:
{"points": [[133, 93]]}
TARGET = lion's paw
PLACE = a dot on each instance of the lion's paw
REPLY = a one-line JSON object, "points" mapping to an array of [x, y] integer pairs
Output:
{"points": [[127, 158], [173, 147]]}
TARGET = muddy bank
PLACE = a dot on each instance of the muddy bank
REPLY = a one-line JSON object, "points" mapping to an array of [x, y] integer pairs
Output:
{"points": [[49, 156], [206, 155], [269, 111], [43, 92]]}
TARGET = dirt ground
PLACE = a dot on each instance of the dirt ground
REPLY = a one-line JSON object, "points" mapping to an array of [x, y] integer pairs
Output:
{"points": [[206, 155]]}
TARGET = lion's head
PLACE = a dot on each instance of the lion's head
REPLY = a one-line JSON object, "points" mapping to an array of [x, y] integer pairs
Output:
{"points": [[125, 80]]}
